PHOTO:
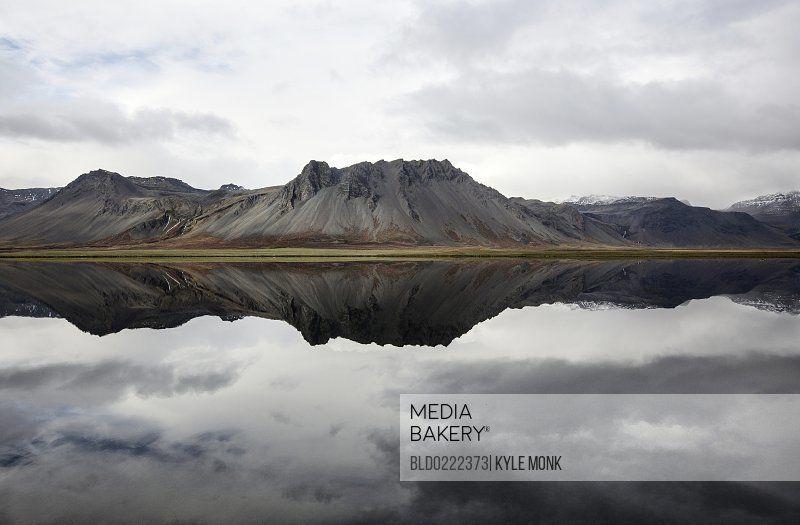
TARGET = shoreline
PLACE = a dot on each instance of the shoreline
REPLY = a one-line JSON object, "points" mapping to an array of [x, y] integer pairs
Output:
{"points": [[393, 253]]}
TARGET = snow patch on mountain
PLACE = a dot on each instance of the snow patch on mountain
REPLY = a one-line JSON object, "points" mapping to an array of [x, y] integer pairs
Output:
{"points": [[600, 200], [772, 202], [28, 194]]}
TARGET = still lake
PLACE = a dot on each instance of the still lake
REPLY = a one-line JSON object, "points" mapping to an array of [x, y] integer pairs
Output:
{"points": [[268, 391]]}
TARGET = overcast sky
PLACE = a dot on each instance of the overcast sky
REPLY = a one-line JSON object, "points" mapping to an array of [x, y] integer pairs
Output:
{"points": [[696, 99]]}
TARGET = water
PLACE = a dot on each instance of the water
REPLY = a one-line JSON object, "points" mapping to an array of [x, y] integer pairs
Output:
{"points": [[268, 392]]}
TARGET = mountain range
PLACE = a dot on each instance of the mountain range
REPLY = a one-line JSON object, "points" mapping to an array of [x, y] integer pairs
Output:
{"points": [[781, 210], [391, 302], [409, 203], [15, 201]]}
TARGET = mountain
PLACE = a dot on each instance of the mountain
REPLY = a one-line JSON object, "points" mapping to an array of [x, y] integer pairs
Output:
{"points": [[588, 200], [781, 210], [570, 222], [103, 207], [668, 222], [15, 201], [384, 203], [399, 202], [232, 187], [391, 302]]}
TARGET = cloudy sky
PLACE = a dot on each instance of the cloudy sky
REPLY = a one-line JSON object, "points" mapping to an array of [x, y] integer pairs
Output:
{"points": [[696, 99]]}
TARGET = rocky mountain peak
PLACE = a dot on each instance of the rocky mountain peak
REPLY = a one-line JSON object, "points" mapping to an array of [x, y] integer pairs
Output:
{"points": [[315, 176], [102, 181], [163, 184], [431, 170], [98, 174], [315, 169]]}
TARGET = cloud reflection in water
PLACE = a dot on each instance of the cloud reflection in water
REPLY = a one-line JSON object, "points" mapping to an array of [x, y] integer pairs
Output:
{"points": [[246, 421]]}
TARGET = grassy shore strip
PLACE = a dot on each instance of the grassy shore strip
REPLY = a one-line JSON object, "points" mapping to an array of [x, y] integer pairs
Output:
{"points": [[393, 253]]}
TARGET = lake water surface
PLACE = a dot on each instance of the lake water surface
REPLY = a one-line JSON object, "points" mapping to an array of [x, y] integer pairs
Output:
{"points": [[268, 392]]}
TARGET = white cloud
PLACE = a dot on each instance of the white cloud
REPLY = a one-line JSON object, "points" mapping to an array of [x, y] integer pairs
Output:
{"points": [[694, 99], [562, 108]]}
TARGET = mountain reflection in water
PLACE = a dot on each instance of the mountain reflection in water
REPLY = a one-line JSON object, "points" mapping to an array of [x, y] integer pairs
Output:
{"points": [[399, 303], [213, 421]]}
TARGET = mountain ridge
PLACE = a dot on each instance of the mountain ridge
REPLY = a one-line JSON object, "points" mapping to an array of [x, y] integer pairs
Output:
{"points": [[407, 202], [16, 201], [781, 210], [398, 202]]}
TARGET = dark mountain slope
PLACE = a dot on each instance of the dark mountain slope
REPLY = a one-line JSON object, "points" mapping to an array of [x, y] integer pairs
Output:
{"points": [[102, 207], [669, 222], [410, 202], [781, 210], [16, 201], [567, 220]]}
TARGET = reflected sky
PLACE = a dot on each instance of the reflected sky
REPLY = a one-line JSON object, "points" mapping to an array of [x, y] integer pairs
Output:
{"points": [[248, 421]]}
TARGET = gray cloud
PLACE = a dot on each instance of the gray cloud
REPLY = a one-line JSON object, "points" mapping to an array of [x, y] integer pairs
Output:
{"points": [[624, 502], [465, 30], [32, 436], [108, 380], [335, 429], [753, 373], [283, 418], [315, 492], [560, 107], [676, 75], [107, 123], [148, 444], [459, 31], [582, 502]]}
